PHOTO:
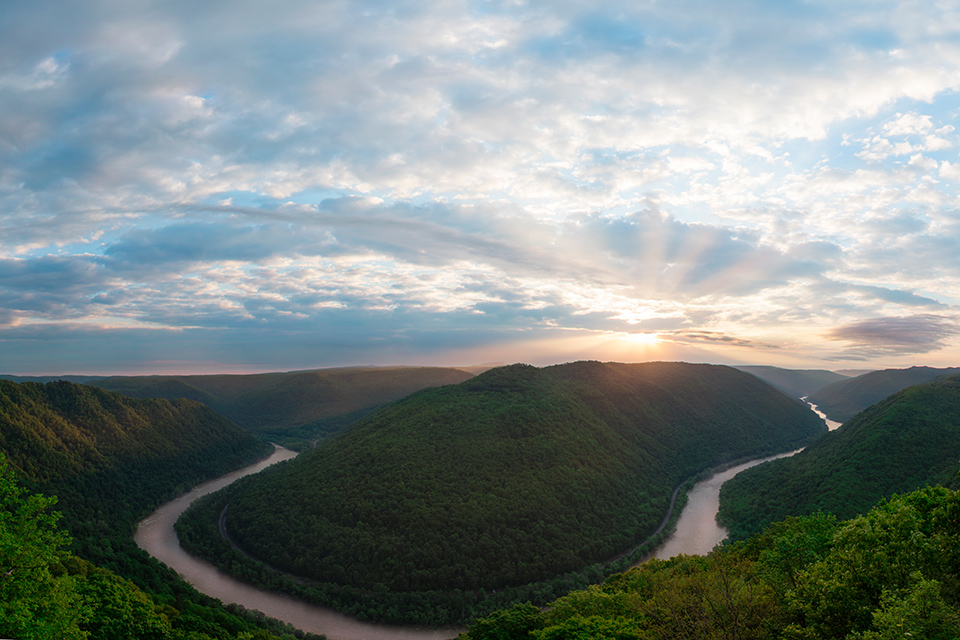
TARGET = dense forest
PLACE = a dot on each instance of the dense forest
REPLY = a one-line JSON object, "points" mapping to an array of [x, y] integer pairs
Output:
{"points": [[292, 408], [842, 400], [900, 444], [109, 460], [516, 476], [889, 574]]}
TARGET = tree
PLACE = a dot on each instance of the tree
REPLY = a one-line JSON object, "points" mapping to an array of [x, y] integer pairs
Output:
{"points": [[37, 599]]}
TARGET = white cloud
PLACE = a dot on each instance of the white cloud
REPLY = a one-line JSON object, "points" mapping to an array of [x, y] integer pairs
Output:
{"points": [[237, 138], [906, 124]]}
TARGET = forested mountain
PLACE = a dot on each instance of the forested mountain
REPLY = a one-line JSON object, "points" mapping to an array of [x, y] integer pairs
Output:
{"points": [[286, 407], [900, 444], [796, 383], [109, 460], [889, 574], [844, 399], [517, 475]]}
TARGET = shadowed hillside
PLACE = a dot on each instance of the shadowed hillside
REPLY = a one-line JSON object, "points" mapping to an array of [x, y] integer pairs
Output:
{"points": [[293, 406], [109, 460], [518, 475], [900, 444], [842, 400], [797, 383]]}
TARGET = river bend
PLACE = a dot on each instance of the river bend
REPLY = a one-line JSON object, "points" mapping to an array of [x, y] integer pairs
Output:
{"points": [[697, 532]]}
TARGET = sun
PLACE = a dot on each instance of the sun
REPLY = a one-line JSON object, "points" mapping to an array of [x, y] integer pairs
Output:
{"points": [[645, 339]]}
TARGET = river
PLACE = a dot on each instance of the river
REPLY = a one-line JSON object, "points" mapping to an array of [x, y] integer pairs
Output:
{"points": [[697, 532], [697, 529], [832, 425], [156, 536]]}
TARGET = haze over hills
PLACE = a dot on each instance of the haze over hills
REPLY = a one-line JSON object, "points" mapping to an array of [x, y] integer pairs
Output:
{"points": [[902, 443], [109, 460], [842, 400], [798, 383], [42, 379], [465, 486], [291, 406]]}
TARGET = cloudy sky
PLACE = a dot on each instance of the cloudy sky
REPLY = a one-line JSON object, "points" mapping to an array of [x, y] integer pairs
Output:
{"points": [[247, 186]]}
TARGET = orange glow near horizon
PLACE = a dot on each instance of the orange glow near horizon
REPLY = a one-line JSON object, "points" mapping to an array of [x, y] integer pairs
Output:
{"points": [[645, 339]]}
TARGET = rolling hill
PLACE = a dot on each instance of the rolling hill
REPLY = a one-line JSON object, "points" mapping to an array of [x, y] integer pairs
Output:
{"points": [[287, 407], [110, 460], [842, 400], [518, 475], [905, 442]]}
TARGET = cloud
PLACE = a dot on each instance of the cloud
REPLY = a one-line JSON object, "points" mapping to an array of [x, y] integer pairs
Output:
{"points": [[878, 337], [759, 170]]}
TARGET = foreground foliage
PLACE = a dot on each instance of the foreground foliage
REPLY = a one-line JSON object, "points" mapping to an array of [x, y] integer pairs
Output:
{"points": [[109, 461], [892, 573], [517, 476], [908, 440]]}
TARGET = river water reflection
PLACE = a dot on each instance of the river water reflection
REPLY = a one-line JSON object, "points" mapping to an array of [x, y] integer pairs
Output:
{"points": [[697, 530]]}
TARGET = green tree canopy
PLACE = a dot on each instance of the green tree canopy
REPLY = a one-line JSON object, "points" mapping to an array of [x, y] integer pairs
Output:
{"points": [[34, 602]]}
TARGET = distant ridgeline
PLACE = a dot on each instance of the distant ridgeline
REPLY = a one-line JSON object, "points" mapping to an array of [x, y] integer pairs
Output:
{"points": [[290, 407], [794, 382], [843, 399], [518, 475], [110, 460], [904, 442]]}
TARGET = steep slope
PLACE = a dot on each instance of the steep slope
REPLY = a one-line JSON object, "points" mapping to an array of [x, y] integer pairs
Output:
{"points": [[796, 383], [891, 573], [64, 435], [299, 404], [110, 460], [844, 399], [517, 475], [900, 444]]}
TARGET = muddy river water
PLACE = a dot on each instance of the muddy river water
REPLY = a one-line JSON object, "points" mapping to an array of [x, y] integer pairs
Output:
{"points": [[697, 533]]}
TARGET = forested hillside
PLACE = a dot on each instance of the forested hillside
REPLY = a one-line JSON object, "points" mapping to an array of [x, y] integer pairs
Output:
{"points": [[110, 460], [890, 574], [844, 399], [518, 475], [796, 383], [900, 444], [290, 407]]}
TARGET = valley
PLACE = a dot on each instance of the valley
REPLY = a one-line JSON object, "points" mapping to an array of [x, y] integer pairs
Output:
{"points": [[696, 532], [92, 445], [444, 502]]}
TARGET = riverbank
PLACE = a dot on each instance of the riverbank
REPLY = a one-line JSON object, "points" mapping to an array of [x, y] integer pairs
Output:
{"points": [[697, 534], [697, 531], [156, 536]]}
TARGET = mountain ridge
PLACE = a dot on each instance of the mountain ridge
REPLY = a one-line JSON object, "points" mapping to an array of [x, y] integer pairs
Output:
{"points": [[902, 443], [581, 458], [842, 400]]}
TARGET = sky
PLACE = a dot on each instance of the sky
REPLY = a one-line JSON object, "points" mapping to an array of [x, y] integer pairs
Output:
{"points": [[241, 186]]}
